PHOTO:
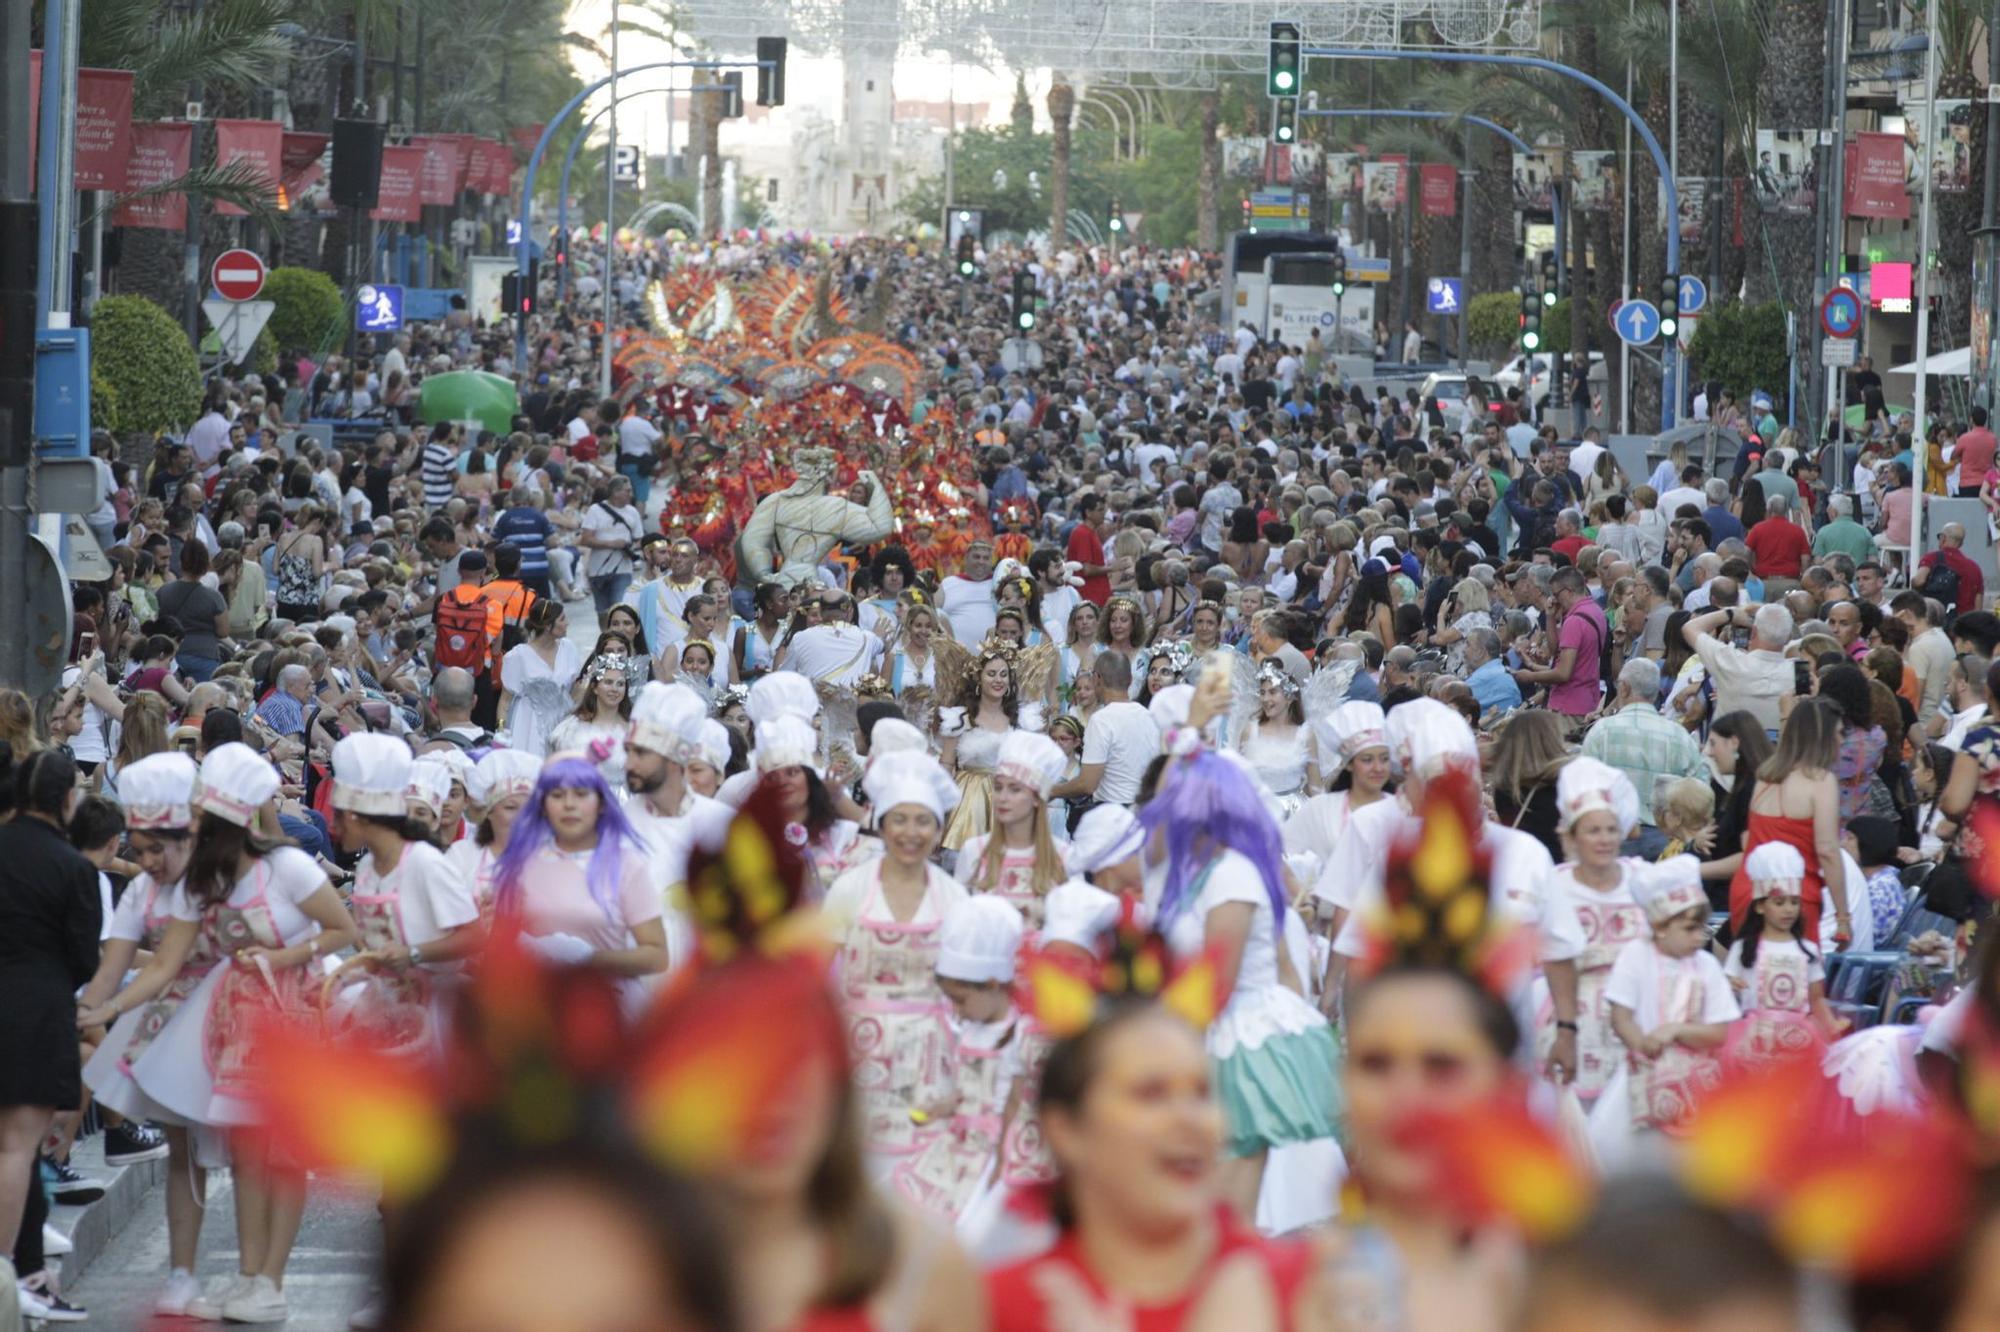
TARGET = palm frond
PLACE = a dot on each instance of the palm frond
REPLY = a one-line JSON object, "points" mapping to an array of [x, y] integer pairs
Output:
{"points": [[240, 183], [232, 43]]}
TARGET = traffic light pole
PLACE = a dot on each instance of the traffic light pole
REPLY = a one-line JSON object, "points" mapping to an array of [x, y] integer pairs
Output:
{"points": [[1669, 404]]}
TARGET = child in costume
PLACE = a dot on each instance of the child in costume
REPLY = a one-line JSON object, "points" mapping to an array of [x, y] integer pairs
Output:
{"points": [[1776, 973]]}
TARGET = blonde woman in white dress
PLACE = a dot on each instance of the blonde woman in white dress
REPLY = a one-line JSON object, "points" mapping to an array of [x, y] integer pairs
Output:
{"points": [[1022, 859]]}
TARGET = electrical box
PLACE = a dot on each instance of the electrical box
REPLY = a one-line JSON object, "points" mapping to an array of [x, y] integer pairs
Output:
{"points": [[62, 392]]}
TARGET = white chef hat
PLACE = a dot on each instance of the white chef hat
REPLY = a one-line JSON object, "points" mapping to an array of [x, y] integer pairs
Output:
{"points": [[1108, 835], [781, 694], [457, 762], [909, 778], [236, 781], [978, 940], [1033, 760], [784, 742], [1669, 888], [661, 715], [892, 734], [502, 773], [1170, 706], [159, 792], [1425, 736], [370, 774], [1774, 865], [1348, 730], [707, 741], [1078, 913], [1585, 785], [430, 784]]}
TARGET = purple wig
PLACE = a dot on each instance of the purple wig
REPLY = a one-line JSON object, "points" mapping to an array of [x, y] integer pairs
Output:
{"points": [[615, 837], [1207, 804]]}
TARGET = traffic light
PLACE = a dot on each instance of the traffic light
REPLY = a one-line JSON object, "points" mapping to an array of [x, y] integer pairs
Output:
{"points": [[1670, 306], [732, 94], [1024, 301], [1339, 272], [1283, 76], [1549, 278], [770, 71], [967, 263], [1286, 128], [510, 293], [1116, 223], [1531, 321]]}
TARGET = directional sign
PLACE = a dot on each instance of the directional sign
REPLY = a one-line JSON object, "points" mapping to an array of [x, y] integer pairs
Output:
{"points": [[1445, 295], [1637, 322], [513, 232], [1840, 313], [378, 309], [238, 275], [237, 324], [1693, 295]]}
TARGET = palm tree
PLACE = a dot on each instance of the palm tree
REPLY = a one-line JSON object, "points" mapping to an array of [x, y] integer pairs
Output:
{"points": [[1062, 104], [1210, 179], [1959, 29]]}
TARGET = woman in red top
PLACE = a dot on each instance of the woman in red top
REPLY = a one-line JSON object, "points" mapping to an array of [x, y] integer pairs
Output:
{"points": [[1127, 1112]]}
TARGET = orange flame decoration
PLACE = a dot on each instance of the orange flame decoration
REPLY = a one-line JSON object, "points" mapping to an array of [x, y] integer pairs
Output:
{"points": [[1871, 1197], [533, 1048], [1062, 993], [1437, 907], [1493, 1161]]}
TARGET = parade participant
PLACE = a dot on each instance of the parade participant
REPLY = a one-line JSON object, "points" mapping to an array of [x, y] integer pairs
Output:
{"points": [[1275, 740], [1079, 652], [1204, 630], [882, 612], [271, 913], [1599, 808], [574, 878], [1020, 860], [1159, 667], [959, 1135], [535, 678], [754, 643], [885, 916], [1136, 1132], [1123, 629], [989, 708], [1671, 1007], [1217, 854], [664, 810], [784, 756], [1353, 748], [497, 790], [708, 757], [426, 797], [158, 793], [1774, 969], [597, 724]]}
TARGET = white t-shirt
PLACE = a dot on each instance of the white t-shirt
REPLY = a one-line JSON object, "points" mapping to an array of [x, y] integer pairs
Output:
{"points": [[1057, 607], [1642, 973], [1733, 968], [838, 654], [433, 896], [286, 878], [127, 920], [1124, 738], [636, 437], [609, 522], [968, 604], [1671, 502]]}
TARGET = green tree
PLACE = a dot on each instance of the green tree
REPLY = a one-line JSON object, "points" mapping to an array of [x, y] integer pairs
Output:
{"points": [[311, 310], [1743, 346], [138, 349]]}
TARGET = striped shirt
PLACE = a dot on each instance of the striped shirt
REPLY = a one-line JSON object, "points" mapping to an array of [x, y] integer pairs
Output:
{"points": [[530, 530], [440, 473]]}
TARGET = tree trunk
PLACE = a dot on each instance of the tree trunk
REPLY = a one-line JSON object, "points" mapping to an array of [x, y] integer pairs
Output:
{"points": [[1790, 99], [711, 166], [1062, 103], [1493, 267], [1591, 232], [1957, 215], [1209, 182]]}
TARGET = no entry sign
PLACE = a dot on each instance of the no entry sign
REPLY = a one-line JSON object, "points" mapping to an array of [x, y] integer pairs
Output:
{"points": [[238, 275]]}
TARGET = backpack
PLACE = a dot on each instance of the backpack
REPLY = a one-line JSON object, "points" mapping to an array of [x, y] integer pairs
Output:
{"points": [[1941, 586], [462, 640]]}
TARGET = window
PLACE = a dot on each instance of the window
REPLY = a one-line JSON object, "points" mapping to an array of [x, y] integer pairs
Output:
{"points": [[871, 85], [771, 190]]}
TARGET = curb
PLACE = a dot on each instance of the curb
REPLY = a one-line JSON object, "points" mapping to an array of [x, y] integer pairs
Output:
{"points": [[91, 1229]]}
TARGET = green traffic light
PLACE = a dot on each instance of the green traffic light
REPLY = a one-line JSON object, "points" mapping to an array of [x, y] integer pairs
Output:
{"points": [[1340, 288], [1026, 319], [1284, 80], [1549, 298], [1669, 326], [1531, 339]]}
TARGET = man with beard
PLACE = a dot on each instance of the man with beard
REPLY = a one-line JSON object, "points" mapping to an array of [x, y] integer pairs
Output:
{"points": [[665, 812]]}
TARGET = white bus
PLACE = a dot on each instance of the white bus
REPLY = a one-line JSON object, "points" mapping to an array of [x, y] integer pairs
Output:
{"points": [[1281, 284]]}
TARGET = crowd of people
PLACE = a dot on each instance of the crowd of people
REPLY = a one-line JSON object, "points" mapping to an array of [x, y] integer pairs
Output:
{"points": [[1245, 642]]}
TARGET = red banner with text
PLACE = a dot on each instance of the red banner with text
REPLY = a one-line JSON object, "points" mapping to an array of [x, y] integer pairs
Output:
{"points": [[103, 127], [160, 153], [1875, 184], [303, 157], [400, 197], [1439, 183], [261, 143], [444, 167]]}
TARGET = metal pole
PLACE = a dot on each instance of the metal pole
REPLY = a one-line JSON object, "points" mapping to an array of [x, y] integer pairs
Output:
{"points": [[951, 134], [1556, 371], [610, 211], [1990, 213], [56, 167], [1625, 257], [1919, 448], [1670, 371], [1465, 252], [20, 294], [1836, 173]]}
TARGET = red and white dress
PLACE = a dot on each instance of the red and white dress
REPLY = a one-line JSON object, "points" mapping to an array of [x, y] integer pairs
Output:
{"points": [[1656, 1095], [142, 917], [421, 900], [956, 1156], [1017, 877], [1610, 919], [1776, 1000]]}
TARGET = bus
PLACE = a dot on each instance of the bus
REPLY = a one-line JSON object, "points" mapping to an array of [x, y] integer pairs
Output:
{"points": [[1281, 284]]}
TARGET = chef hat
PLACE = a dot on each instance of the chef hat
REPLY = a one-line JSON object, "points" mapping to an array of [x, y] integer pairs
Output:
{"points": [[893, 733], [430, 784], [1381, 544], [1035, 761], [706, 742], [1774, 865], [908, 778], [236, 781], [1585, 785], [159, 792], [1426, 735], [1669, 888], [457, 762], [661, 716], [502, 773], [370, 774], [1108, 835], [978, 940], [1348, 730], [1170, 706], [786, 742], [1078, 913], [781, 694]]}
